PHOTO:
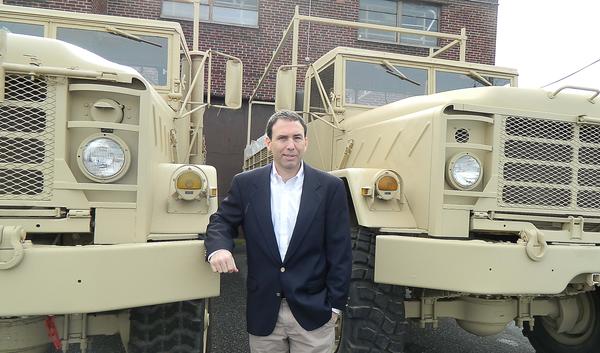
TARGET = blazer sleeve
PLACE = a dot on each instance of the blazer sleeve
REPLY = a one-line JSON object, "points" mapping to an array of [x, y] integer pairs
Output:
{"points": [[224, 223], [338, 247]]}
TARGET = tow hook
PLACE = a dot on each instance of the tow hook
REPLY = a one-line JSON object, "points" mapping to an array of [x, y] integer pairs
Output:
{"points": [[11, 241], [535, 244]]}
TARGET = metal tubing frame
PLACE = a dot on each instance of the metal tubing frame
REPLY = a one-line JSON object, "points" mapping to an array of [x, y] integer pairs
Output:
{"points": [[460, 39], [293, 28]]}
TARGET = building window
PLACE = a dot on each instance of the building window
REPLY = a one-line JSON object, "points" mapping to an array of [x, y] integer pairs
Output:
{"points": [[231, 12], [411, 15]]}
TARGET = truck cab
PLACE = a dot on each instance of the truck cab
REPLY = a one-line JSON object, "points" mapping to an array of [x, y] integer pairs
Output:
{"points": [[104, 194], [470, 198]]}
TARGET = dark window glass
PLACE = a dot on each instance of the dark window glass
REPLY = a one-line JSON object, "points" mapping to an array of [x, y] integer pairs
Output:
{"points": [[448, 81], [235, 12], [372, 84], [326, 76], [23, 28]]}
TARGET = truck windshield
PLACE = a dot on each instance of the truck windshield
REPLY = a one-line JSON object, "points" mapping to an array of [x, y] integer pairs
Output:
{"points": [[23, 28], [373, 84], [149, 60], [448, 81]]}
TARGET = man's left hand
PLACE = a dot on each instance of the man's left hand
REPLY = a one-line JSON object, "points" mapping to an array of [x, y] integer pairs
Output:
{"points": [[334, 317]]}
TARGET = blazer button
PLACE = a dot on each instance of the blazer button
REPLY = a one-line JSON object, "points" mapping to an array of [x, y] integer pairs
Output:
{"points": [[282, 269]]}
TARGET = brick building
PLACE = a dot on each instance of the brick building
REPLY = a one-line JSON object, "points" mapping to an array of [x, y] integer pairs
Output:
{"points": [[251, 29]]}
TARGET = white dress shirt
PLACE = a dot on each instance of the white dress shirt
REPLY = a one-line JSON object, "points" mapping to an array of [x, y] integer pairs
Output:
{"points": [[285, 203]]}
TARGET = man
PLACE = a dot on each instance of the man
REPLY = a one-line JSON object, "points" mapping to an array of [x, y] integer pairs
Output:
{"points": [[295, 220]]}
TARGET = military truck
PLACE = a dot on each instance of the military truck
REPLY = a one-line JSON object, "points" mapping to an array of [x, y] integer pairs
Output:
{"points": [[470, 198], [103, 191]]}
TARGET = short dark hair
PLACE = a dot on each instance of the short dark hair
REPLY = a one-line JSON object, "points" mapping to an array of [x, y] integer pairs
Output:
{"points": [[284, 115]]}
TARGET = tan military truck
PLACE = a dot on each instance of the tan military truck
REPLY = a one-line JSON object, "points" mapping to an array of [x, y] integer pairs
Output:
{"points": [[103, 191], [478, 204]]}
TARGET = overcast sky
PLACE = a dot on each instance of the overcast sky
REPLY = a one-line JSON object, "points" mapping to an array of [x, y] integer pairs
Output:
{"points": [[546, 40]]}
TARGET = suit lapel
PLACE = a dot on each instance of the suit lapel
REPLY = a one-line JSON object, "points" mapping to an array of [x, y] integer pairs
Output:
{"points": [[309, 203], [262, 210]]}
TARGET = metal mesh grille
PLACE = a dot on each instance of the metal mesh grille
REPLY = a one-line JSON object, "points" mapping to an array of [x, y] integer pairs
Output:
{"points": [[26, 138], [22, 88], [549, 164], [461, 136]]}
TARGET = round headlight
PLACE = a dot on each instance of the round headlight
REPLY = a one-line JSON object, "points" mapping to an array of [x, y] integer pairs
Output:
{"points": [[464, 171], [103, 158], [190, 182]]}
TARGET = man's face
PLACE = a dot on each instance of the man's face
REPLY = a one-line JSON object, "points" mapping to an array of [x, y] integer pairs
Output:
{"points": [[287, 145]]}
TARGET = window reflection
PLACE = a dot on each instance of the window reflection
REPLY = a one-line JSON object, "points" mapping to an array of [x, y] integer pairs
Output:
{"points": [[420, 16], [236, 12], [23, 28], [448, 81], [149, 60], [372, 84]]}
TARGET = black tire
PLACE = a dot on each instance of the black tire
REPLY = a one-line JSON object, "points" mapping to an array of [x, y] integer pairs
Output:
{"points": [[544, 338], [374, 320], [168, 328]]}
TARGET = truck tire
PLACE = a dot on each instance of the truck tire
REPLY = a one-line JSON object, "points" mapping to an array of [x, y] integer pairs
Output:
{"points": [[545, 339], [374, 319], [168, 328]]}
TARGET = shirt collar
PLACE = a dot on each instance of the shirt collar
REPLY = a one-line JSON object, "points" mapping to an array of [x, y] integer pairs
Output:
{"points": [[299, 175]]}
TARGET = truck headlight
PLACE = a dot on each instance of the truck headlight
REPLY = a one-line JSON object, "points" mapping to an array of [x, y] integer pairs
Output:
{"points": [[464, 171], [103, 158]]}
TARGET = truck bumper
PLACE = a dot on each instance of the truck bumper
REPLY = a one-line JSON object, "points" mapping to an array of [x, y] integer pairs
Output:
{"points": [[85, 279], [479, 267]]}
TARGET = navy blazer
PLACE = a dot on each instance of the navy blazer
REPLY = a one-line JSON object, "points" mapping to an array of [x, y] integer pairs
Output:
{"points": [[314, 277]]}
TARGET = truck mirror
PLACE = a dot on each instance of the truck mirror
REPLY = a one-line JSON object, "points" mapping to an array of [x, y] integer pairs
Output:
{"points": [[233, 84], [285, 89]]}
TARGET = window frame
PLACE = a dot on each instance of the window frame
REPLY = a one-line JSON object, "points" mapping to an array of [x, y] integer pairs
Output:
{"points": [[399, 14], [210, 4]]}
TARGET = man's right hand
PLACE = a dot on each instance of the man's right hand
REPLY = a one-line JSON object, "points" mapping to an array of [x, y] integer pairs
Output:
{"points": [[222, 261]]}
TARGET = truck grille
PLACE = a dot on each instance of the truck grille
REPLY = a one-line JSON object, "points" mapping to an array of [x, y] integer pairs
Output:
{"points": [[27, 118], [549, 164]]}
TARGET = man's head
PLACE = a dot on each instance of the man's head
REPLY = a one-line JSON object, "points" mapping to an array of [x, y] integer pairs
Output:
{"points": [[286, 139]]}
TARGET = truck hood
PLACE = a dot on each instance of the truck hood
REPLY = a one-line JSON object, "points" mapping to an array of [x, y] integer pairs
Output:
{"points": [[508, 100]]}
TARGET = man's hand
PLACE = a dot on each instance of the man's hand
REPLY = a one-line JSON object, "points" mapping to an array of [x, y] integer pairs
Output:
{"points": [[222, 261], [334, 317]]}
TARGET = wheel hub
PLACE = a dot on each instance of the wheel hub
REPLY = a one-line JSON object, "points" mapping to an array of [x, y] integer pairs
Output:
{"points": [[575, 322]]}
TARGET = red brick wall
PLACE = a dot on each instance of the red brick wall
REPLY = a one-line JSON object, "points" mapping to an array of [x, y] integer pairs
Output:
{"points": [[99, 6], [135, 8], [480, 20]]}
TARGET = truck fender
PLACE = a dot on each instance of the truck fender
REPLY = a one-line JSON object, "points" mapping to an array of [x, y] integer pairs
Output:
{"points": [[369, 210]]}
